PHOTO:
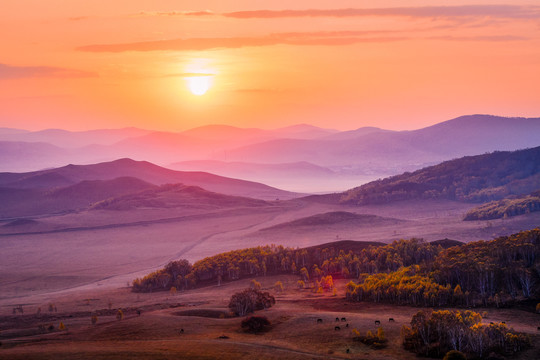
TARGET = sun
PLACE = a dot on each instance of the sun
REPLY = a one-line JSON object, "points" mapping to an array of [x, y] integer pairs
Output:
{"points": [[199, 85]]}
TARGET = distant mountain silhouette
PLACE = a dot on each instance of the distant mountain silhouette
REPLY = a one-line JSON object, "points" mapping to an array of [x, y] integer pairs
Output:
{"points": [[72, 139], [478, 178], [366, 153], [393, 151], [144, 171]]}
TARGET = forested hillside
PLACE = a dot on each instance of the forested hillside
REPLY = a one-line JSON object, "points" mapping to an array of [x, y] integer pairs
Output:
{"points": [[404, 272], [479, 178], [505, 208]]}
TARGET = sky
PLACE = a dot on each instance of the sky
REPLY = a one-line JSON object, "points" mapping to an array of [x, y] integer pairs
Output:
{"points": [[173, 65]]}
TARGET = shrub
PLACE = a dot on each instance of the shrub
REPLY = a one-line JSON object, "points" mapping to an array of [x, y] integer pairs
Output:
{"points": [[119, 315], [256, 324], [94, 319], [278, 286], [454, 355], [61, 326]]}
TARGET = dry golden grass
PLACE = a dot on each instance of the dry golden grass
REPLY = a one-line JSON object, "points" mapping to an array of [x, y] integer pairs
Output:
{"points": [[157, 332]]}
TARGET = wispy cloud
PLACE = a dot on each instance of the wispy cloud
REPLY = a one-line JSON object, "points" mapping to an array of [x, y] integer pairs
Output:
{"points": [[480, 38], [79, 18], [497, 11], [192, 44], [17, 72], [185, 75], [176, 13]]}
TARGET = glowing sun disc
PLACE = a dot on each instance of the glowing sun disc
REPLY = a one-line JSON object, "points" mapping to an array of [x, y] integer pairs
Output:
{"points": [[199, 85]]}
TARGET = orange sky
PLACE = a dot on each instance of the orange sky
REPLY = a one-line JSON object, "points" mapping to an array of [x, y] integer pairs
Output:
{"points": [[340, 64]]}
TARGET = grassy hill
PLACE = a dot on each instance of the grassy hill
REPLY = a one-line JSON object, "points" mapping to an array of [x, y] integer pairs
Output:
{"points": [[176, 195], [143, 170], [479, 178], [334, 218]]}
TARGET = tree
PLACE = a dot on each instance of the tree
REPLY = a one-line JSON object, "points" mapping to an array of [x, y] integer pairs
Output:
{"points": [[380, 334], [249, 300], [254, 284], [301, 284], [304, 273]]}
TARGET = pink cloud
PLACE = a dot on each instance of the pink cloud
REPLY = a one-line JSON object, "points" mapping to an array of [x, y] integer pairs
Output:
{"points": [[17, 72]]}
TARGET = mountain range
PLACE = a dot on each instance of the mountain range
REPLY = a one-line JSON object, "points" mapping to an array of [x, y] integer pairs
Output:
{"points": [[302, 158]]}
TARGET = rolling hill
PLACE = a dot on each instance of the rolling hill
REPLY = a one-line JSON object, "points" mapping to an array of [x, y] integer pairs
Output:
{"points": [[334, 218], [176, 195], [478, 178], [38, 201], [144, 171]]}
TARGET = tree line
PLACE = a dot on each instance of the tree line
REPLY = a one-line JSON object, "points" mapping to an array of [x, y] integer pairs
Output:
{"points": [[505, 208], [434, 333], [413, 272], [495, 272]]}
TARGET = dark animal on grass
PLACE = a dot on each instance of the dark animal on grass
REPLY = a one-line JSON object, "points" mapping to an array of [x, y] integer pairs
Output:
{"points": [[181, 331], [337, 319], [319, 321], [343, 319], [139, 312], [337, 328], [348, 351], [377, 322], [391, 320]]}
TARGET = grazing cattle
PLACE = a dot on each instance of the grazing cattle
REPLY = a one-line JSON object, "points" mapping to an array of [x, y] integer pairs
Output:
{"points": [[139, 312], [319, 321], [348, 351], [181, 331], [337, 328], [391, 320], [377, 322], [337, 319], [343, 319], [347, 325]]}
